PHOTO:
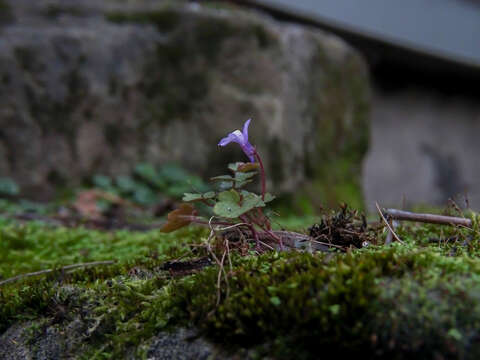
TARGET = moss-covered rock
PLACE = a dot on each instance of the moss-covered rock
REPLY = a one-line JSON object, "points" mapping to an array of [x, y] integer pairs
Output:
{"points": [[418, 299], [94, 86]]}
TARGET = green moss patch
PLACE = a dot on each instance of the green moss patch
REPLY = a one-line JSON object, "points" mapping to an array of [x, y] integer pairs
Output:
{"points": [[380, 302], [419, 299], [32, 247]]}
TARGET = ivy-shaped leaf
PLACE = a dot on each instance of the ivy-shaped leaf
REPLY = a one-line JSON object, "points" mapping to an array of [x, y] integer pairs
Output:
{"points": [[244, 176], [231, 205], [229, 196], [178, 218]]}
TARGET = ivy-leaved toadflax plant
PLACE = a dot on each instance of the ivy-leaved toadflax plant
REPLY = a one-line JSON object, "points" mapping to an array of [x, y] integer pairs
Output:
{"points": [[231, 205]]}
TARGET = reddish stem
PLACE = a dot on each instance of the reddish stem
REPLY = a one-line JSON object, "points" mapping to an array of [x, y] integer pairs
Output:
{"points": [[262, 174], [266, 228], [247, 221]]}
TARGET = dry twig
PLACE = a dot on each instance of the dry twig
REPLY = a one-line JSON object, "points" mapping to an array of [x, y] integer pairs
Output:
{"points": [[46, 271], [388, 225], [427, 218]]}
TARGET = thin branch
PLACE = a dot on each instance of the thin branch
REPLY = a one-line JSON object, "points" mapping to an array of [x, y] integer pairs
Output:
{"points": [[428, 218], [388, 225], [389, 238], [46, 271], [328, 244], [266, 245]]}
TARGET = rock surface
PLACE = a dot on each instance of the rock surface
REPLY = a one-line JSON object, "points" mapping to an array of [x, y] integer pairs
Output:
{"points": [[94, 87], [18, 343]]}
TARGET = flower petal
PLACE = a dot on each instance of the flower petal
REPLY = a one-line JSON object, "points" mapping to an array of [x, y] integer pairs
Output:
{"points": [[235, 136], [245, 130], [249, 150]]}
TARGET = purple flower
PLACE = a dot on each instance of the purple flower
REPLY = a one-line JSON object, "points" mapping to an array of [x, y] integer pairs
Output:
{"points": [[241, 138]]}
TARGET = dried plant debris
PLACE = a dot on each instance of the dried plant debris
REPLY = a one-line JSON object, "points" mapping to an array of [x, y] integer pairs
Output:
{"points": [[182, 268], [344, 228]]}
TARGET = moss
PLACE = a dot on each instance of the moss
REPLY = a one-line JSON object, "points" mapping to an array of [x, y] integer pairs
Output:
{"points": [[115, 302], [39, 247], [415, 299], [381, 302], [164, 20]]}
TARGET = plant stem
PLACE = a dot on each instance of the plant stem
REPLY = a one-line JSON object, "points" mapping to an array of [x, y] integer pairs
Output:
{"points": [[267, 229], [247, 221], [262, 174]]}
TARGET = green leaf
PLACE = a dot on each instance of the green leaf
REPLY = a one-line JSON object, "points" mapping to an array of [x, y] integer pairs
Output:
{"points": [[8, 187], [191, 197], [230, 206], [144, 195], [209, 195], [234, 166], [102, 181], [334, 309], [275, 300], [241, 184], [222, 178], [197, 184], [454, 333], [173, 173], [229, 196], [187, 197], [244, 176], [148, 173], [126, 184], [268, 197]]}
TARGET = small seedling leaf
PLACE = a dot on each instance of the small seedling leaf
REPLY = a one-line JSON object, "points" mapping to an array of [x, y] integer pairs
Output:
{"points": [[268, 197], [191, 197], [187, 197], [177, 218], [246, 167], [243, 167]]}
